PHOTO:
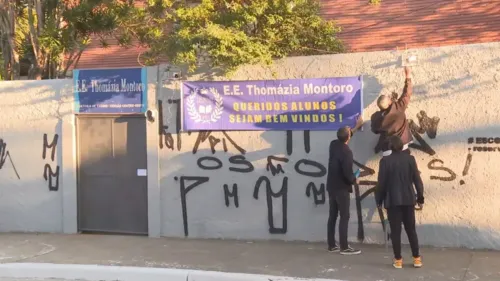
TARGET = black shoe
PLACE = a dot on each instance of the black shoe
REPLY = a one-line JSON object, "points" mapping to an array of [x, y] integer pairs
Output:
{"points": [[334, 249], [350, 251]]}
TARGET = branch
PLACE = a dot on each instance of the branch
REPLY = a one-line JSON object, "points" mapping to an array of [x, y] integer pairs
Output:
{"points": [[74, 60], [33, 32], [40, 15]]}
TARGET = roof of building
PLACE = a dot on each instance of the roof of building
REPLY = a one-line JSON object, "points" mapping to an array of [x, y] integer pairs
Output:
{"points": [[394, 24]]}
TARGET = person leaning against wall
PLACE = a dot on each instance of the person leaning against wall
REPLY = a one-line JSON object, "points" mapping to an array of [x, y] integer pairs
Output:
{"points": [[397, 176], [339, 183]]}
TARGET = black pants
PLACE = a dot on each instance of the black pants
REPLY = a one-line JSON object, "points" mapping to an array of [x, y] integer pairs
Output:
{"points": [[339, 203], [405, 215]]}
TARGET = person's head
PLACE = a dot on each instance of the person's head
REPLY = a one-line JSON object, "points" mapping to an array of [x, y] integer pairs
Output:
{"points": [[384, 102], [344, 134], [396, 144]]}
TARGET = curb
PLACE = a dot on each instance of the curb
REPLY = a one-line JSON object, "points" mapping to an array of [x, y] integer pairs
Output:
{"points": [[125, 273]]}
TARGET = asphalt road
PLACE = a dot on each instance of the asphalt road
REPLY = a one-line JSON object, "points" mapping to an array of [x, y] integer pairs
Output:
{"points": [[276, 258]]}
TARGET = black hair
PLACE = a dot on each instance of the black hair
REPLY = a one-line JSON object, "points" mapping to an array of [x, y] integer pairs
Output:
{"points": [[396, 143], [343, 134]]}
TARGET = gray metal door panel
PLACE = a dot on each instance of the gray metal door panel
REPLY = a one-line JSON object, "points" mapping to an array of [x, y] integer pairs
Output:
{"points": [[112, 197]]}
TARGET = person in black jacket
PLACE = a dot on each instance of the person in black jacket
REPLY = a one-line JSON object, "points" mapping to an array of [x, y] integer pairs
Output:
{"points": [[339, 183], [397, 175], [391, 120]]}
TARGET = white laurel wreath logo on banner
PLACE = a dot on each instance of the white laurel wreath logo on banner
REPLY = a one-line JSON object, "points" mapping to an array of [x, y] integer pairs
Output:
{"points": [[199, 107]]}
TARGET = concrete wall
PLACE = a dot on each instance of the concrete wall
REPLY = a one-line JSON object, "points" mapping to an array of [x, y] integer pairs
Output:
{"points": [[456, 91], [33, 115]]}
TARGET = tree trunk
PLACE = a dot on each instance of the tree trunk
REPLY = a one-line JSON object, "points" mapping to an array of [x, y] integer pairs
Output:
{"points": [[38, 62], [73, 60], [8, 28]]}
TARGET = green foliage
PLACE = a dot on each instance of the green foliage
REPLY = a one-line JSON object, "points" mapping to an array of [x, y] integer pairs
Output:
{"points": [[52, 34], [231, 33]]}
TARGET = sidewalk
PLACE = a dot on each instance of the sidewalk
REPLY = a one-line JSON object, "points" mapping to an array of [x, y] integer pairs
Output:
{"points": [[297, 259]]}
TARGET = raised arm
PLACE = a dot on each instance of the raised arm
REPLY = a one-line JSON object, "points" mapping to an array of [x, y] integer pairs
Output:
{"points": [[417, 181], [359, 124], [404, 100]]}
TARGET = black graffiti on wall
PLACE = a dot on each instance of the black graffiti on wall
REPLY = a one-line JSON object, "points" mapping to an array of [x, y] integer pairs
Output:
{"points": [[270, 194], [166, 138], [242, 161], [233, 193], [239, 164], [4, 153], [437, 165], [427, 126], [364, 172], [209, 163], [48, 173], [484, 144], [203, 136], [319, 195], [276, 166], [289, 142], [52, 177], [479, 144], [185, 189], [308, 168]]}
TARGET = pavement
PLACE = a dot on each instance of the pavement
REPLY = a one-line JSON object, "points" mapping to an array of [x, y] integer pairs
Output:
{"points": [[269, 258]]}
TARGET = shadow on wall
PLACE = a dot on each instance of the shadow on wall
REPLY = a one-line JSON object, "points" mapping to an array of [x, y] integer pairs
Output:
{"points": [[50, 147], [207, 160], [371, 89], [58, 91], [363, 143], [40, 211], [458, 236], [112, 196], [30, 198], [210, 165], [442, 235], [277, 171]]}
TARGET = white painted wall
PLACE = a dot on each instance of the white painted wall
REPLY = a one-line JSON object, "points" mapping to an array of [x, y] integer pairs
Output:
{"points": [[459, 85], [28, 110]]}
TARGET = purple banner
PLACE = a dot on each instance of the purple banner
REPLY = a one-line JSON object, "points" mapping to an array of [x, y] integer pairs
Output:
{"points": [[295, 104]]}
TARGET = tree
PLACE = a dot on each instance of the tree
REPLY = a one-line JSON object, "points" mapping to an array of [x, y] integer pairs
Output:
{"points": [[52, 33], [230, 33], [9, 39], [60, 31]]}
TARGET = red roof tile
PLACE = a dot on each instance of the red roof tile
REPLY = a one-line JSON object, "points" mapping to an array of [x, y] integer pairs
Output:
{"points": [[391, 25]]}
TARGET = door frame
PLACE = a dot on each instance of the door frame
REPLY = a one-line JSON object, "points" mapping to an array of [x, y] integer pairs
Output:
{"points": [[77, 155]]}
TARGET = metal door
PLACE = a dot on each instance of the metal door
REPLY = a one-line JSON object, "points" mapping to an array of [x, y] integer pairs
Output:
{"points": [[112, 174]]}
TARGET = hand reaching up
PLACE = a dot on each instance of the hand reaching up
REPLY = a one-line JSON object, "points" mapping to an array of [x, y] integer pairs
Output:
{"points": [[407, 72]]}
